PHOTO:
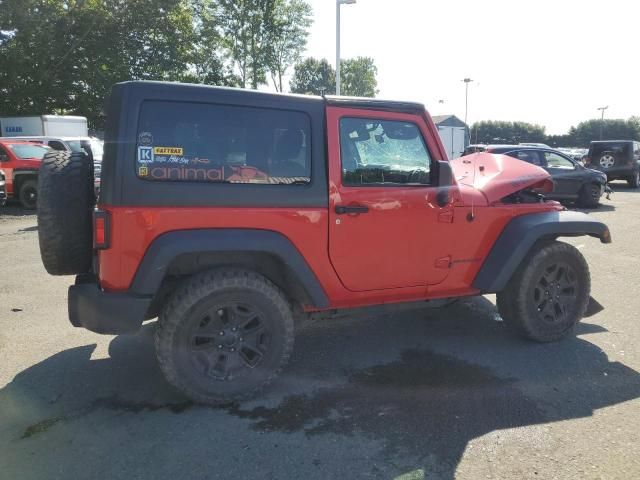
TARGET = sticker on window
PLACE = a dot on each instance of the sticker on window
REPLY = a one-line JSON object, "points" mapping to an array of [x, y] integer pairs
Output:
{"points": [[168, 150], [145, 155]]}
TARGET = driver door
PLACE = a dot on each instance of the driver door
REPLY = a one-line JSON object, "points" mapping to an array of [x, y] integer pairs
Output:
{"points": [[383, 218]]}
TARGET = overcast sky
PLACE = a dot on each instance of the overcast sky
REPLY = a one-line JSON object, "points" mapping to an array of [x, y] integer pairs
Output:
{"points": [[551, 62]]}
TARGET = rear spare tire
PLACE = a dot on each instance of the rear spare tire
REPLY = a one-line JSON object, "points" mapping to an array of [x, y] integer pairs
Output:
{"points": [[65, 206]]}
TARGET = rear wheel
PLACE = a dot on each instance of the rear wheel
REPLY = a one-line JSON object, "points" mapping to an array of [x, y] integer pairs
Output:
{"points": [[548, 294], [634, 181], [224, 335], [589, 195], [28, 194]]}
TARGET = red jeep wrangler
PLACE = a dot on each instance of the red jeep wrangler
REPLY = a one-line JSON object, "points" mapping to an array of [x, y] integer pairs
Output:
{"points": [[227, 213], [21, 161]]}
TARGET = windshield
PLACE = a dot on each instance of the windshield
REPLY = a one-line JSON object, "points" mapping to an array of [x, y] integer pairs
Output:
{"points": [[74, 145], [28, 151]]}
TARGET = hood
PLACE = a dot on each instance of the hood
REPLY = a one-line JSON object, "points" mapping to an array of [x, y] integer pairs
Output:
{"points": [[496, 176]]}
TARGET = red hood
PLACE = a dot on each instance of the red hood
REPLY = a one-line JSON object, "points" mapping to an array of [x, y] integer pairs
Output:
{"points": [[496, 176]]}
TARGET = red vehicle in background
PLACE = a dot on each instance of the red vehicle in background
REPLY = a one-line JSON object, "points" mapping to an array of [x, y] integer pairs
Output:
{"points": [[20, 162]]}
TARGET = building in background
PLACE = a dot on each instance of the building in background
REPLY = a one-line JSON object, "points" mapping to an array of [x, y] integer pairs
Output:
{"points": [[454, 134]]}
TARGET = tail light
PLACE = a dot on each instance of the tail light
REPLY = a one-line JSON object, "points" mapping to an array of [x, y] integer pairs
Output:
{"points": [[101, 230]]}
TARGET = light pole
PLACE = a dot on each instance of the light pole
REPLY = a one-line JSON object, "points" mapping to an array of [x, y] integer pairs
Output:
{"points": [[338, 3], [466, 81], [602, 109]]}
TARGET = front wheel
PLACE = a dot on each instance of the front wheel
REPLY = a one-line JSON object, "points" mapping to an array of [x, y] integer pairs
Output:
{"points": [[224, 335], [589, 196], [634, 181], [28, 194], [548, 294]]}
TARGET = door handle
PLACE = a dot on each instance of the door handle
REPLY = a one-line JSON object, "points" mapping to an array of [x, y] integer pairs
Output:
{"points": [[352, 209]]}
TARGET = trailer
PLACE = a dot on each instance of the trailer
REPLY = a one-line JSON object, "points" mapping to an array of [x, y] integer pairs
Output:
{"points": [[47, 125]]}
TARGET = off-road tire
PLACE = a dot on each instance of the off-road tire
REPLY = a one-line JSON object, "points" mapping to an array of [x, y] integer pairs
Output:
{"points": [[589, 195], [520, 302], [28, 194], [65, 205], [634, 180], [195, 307]]}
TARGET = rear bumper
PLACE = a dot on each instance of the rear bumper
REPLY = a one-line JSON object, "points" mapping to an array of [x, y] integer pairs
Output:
{"points": [[104, 312]]}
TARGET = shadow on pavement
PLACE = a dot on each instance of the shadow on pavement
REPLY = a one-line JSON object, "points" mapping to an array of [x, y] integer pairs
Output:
{"points": [[421, 384], [13, 209]]}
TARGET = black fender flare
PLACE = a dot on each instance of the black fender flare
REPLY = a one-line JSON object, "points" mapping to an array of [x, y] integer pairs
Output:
{"points": [[170, 245], [521, 233]]}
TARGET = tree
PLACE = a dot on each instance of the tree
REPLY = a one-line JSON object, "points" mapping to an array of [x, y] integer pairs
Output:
{"points": [[247, 27], [612, 129], [313, 77], [287, 37], [358, 77], [489, 131], [63, 56]]}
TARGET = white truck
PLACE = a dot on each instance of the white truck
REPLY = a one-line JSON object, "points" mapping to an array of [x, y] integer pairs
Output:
{"points": [[44, 125]]}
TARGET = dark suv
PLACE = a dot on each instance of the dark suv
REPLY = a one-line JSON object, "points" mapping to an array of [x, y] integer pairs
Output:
{"points": [[619, 159], [230, 214]]}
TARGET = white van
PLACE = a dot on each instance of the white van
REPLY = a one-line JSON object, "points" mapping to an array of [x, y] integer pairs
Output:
{"points": [[47, 125]]}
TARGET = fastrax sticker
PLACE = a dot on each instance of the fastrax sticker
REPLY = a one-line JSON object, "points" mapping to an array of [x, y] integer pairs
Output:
{"points": [[168, 150], [145, 138], [145, 154]]}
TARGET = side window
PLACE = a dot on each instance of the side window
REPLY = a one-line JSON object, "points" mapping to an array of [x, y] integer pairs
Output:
{"points": [[56, 145], [383, 152], [4, 156], [529, 156], [222, 143], [556, 161]]}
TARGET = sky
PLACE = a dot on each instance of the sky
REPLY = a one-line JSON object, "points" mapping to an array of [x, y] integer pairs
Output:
{"points": [[547, 62]]}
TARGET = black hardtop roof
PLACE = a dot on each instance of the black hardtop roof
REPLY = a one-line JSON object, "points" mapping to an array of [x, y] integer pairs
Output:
{"points": [[169, 88]]}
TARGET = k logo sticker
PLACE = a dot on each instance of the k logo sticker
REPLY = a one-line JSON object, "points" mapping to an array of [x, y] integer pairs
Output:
{"points": [[145, 154]]}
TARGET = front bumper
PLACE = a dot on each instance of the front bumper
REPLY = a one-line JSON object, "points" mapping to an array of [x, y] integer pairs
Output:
{"points": [[104, 312]]}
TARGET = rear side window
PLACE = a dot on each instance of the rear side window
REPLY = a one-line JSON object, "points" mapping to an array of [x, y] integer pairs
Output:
{"points": [[196, 142], [529, 156], [621, 150]]}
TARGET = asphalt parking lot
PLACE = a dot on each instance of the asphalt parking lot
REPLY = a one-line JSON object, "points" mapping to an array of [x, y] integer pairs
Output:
{"points": [[420, 393]]}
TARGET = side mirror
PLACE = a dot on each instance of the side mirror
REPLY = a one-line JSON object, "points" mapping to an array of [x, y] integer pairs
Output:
{"points": [[445, 181], [4, 157], [445, 174]]}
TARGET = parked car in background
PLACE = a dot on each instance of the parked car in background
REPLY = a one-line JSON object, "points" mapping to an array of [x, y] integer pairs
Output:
{"points": [[92, 146], [3, 189], [478, 147], [21, 162], [532, 144], [618, 159], [572, 181]]}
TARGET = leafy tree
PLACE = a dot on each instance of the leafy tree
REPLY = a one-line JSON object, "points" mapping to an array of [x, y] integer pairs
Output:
{"points": [[62, 56], [313, 77], [612, 129], [358, 77], [489, 131], [287, 37], [247, 27]]}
